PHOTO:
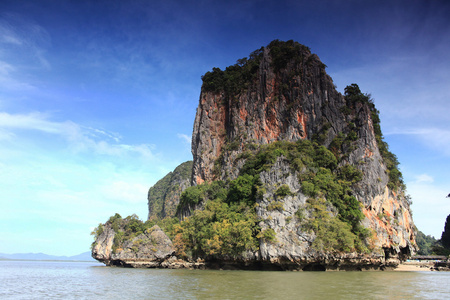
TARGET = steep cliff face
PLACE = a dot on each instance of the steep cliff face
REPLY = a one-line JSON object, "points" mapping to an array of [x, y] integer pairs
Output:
{"points": [[286, 98], [164, 196]]}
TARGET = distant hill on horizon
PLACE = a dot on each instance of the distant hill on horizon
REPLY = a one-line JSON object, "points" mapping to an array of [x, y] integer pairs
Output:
{"points": [[85, 256]]}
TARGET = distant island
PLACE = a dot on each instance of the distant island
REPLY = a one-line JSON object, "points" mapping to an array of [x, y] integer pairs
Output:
{"points": [[85, 256]]}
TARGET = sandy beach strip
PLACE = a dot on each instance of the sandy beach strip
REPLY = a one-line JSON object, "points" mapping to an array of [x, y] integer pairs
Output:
{"points": [[413, 268]]}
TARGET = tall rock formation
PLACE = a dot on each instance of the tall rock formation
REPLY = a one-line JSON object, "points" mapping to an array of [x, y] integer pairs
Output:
{"points": [[287, 173], [282, 93]]}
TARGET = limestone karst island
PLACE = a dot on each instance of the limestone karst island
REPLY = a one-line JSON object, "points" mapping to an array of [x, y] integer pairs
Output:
{"points": [[287, 174]]}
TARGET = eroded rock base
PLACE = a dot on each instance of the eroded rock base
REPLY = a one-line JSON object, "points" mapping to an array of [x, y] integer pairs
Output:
{"points": [[174, 263]]}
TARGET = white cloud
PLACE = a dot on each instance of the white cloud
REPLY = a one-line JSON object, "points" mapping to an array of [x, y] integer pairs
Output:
{"points": [[421, 131], [430, 207], [80, 138], [105, 148], [31, 121], [126, 192]]}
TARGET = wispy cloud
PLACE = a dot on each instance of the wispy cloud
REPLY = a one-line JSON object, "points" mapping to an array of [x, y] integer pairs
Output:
{"points": [[23, 35], [436, 138], [424, 178], [8, 34], [31, 121], [98, 132], [9, 80], [23, 45], [79, 138]]}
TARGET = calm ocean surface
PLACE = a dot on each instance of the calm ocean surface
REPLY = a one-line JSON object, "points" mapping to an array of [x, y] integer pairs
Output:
{"points": [[83, 280]]}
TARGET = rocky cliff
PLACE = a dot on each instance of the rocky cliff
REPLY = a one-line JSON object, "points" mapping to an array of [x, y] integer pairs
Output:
{"points": [[288, 173], [164, 196], [290, 97]]}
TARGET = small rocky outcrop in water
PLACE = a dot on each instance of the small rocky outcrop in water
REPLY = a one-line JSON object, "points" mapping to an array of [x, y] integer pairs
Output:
{"points": [[127, 243], [152, 247], [287, 173]]}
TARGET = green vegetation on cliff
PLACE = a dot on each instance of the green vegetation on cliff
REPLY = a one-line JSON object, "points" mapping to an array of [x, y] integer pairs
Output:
{"points": [[428, 245], [320, 176], [289, 52], [425, 243], [442, 246], [331, 233], [226, 226], [235, 78], [161, 196], [125, 229], [221, 229], [232, 205]]}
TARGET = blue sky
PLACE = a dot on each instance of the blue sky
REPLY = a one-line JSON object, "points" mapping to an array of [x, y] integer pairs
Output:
{"points": [[98, 98]]}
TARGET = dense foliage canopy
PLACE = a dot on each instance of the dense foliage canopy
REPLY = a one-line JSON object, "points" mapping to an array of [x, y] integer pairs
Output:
{"points": [[425, 243], [235, 78]]}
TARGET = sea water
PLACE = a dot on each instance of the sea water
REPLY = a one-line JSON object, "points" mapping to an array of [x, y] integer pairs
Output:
{"points": [[88, 280]]}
